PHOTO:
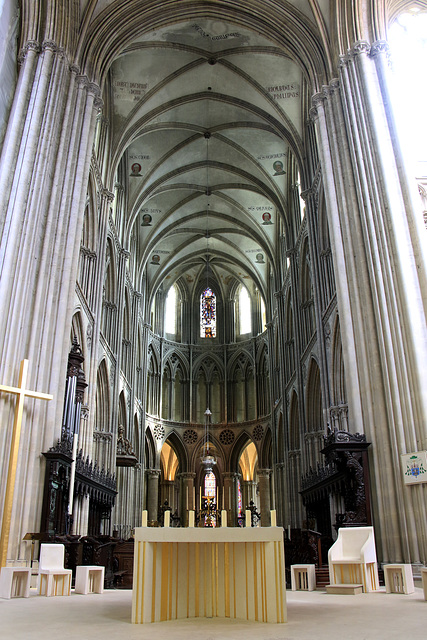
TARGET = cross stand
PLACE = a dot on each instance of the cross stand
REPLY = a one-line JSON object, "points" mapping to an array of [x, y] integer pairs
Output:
{"points": [[22, 393]]}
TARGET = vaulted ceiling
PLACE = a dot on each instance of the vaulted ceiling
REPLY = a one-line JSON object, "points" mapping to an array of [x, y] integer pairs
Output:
{"points": [[205, 119], [207, 104]]}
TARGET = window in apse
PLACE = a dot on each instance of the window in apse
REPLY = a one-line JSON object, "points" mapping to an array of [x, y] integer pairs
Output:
{"points": [[170, 311], [208, 314], [245, 317], [407, 38]]}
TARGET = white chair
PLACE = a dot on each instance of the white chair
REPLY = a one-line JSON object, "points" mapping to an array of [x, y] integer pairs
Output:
{"points": [[53, 579], [353, 559]]}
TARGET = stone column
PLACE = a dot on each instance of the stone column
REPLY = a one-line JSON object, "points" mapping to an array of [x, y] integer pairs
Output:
{"points": [[152, 476], [378, 246], [264, 495], [51, 124]]}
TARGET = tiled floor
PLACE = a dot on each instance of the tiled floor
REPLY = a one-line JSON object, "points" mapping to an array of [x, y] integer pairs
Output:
{"points": [[311, 615]]}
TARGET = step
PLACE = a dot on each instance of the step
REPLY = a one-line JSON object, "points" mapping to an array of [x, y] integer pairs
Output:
{"points": [[344, 589], [322, 576]]}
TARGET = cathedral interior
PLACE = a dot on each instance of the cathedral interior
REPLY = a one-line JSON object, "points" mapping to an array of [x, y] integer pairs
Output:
{"points": [[211, 247]]}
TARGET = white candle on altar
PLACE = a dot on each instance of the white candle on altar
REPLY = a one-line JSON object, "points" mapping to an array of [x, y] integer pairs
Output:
{"points": [[191, 518], [273, 517], [247, 518], [144, 518], [167, 522], [223, 518], [200, 499]]}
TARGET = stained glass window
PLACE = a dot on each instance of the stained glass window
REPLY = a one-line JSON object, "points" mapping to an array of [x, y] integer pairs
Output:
{"points": [[208, 314], [210, 484]]}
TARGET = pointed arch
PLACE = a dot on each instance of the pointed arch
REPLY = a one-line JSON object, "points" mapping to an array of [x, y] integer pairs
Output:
{"points": [[149, 450], [306, 292], [266, 457], [339, 391], [123, 414], [294, 426]]}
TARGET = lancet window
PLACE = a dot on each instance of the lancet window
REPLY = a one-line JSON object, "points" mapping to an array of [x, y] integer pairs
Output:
{"points": [[208, 314]]}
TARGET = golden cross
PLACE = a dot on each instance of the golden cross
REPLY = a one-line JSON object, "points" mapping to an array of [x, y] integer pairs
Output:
{"points": [[21, 392]]}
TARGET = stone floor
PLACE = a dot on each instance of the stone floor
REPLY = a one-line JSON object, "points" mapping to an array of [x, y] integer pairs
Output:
{"points": [[311, 615]]}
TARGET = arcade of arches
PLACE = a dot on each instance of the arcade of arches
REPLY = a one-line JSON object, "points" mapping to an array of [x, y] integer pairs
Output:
{"points": [[204, 206]]}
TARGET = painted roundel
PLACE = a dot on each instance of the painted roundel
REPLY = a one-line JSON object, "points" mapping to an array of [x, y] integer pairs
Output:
{"points": [[159, 431], [226, 436], [189, 436], [258, 432]]}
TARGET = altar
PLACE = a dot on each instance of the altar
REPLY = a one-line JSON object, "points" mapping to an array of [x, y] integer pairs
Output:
{"points": [[209, 572]]}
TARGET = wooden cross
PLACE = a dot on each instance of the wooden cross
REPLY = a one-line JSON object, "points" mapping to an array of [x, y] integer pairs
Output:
{"points": [[21, 392]]}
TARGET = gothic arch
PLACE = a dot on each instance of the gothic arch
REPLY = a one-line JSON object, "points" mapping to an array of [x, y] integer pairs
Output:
{"points": [[150, 450], [78, 331], [208, 363], [306, 292], [123, 414], [241, 442], [110, 293], [136, 439], [176, 361], [280, 438], [313, 396], [314, 414], [171, 465], [266, 457], [102, 399], [339, 392], [242, 357], [294, 426], [117, 26], [289, 335], [175, 441]]}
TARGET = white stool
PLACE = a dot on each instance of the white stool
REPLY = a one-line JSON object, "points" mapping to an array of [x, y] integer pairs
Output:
{"points": [[15, 582], [89, 579], [424, 579], [303, 577], [398, 578]]}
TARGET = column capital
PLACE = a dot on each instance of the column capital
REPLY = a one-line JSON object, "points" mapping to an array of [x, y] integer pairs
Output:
{"points": [[153, 473], [187, 475], [107, 195], [264, 473], [231, 475], [31, 45]]}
